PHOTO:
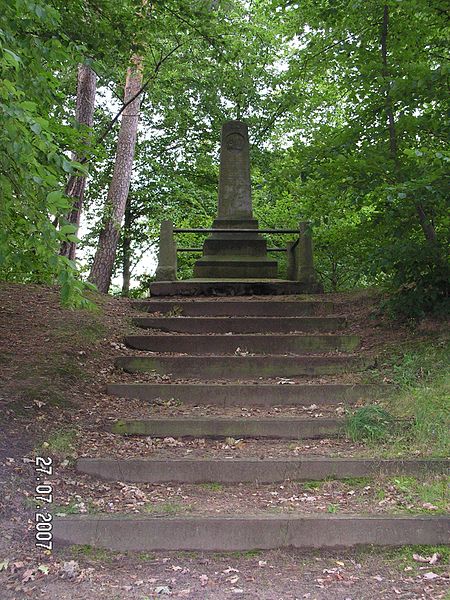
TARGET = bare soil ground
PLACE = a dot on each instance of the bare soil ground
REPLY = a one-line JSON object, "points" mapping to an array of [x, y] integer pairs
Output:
{"points": [[54, 367]]}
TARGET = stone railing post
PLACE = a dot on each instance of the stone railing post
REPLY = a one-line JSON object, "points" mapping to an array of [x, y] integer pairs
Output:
{"points": [[167, 256], [300, 260], [292, 268]]}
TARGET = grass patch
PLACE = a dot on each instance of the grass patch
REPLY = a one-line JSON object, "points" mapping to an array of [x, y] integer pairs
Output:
{"points": [[403, 556], [91, 553], [312, 485], [67, 369], [60, 442], [175, 311], [237, 554], [87, 332], [146, 557], [64, 509], [212, 487], [434, 492], [421, 374], [370, 422], [47, 393]]}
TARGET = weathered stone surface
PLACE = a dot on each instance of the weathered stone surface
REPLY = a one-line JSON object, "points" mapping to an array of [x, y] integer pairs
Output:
{"points": [[292, 428], [241, 324], [228, 287], [237, 533], [229, 308], [239, 267], [235, 255], [167, 257], [300, 259], [240, 367], [255, 344], [235, 200], [255, 470], [249, 394]]}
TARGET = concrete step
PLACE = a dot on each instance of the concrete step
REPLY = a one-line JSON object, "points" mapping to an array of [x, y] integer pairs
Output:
{"points": [[292, 428], [230, 287], [236, 533], [249, 395], [241, 324], [255, 344], [253, 470], [235, 308], [240, 367]]}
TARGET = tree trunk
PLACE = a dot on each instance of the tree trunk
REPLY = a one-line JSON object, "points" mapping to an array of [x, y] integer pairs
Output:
{"points": [[126, 250], [102, 267], [84, 114], [426, 224]]}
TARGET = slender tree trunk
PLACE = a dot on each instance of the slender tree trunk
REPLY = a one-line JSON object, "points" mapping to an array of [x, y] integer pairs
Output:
{"points": [[102, 267], [126, 250], [426, 224], [84, 114]]}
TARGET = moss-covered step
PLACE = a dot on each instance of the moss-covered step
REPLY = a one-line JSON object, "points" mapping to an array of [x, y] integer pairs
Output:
{"points": [[241, 367], [292, 428], [125, 532], [231, 394], [229, 344], [253, 470], [241, 324], [235, 308]]}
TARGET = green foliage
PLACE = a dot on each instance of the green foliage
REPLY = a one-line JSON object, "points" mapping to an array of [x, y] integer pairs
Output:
{"points": [[434, 491], [33, 140], [419, 280], [369, 423], [423, 376], [356, 146]]}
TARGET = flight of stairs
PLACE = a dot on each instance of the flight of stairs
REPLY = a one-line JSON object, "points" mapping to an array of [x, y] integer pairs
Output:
{"points": [[244, 352]]}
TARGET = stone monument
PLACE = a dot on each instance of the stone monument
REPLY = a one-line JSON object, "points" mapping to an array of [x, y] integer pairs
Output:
{"points": [[235, 255]]}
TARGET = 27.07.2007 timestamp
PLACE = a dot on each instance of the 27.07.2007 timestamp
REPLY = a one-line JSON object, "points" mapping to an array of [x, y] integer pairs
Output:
{"points": [[43, 498]]}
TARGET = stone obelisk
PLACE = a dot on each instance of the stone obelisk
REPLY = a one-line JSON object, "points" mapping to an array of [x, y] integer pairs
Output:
{"points": [[235, 255]]}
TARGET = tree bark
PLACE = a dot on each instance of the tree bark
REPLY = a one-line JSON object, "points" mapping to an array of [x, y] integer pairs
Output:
{"points": [[126, 250], [102, 267], [426, 224], [84, 114]]}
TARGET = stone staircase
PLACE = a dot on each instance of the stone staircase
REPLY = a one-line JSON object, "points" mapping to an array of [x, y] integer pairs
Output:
{"points": [[252, 354]]}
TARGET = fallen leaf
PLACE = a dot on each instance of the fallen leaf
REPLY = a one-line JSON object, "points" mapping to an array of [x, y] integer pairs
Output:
{"points": [[29, 575], [429, 506], [43, 569], [231, 570], [163, 590], [430, 575]]}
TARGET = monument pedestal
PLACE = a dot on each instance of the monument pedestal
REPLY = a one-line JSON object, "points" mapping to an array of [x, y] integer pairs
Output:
{"points": [[235, 255]]}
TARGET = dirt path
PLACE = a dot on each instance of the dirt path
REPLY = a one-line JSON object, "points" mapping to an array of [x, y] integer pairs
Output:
{"points": [[55, 365]]}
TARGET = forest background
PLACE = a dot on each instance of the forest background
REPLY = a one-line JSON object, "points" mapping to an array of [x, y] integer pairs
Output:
{"points": [[111, 114]]}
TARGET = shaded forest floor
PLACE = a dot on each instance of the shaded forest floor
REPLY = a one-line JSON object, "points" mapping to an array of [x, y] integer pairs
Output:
{"points": [[54, 367]]}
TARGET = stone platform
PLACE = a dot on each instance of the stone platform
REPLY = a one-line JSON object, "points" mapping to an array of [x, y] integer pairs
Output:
{"points": [[231, 287]]}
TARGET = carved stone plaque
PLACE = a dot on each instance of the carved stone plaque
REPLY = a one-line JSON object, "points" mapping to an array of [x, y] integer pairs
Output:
{"points": [[234, 142]]}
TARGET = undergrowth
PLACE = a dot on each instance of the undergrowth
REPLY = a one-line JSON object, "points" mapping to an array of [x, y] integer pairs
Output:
{"points": [[416, 418]]}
